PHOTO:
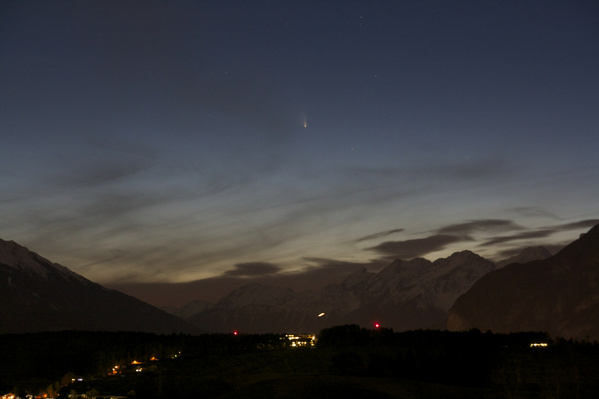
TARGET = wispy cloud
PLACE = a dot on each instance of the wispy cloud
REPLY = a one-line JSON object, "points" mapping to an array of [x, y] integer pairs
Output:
{"points": [[533, 211], [539, 233], [470, 170], [480, 225], [581, 224], [379, 235]]}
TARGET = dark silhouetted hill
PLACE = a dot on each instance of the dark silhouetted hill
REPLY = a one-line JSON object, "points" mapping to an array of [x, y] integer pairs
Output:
{"points": [[559, 295], [38, 295]]}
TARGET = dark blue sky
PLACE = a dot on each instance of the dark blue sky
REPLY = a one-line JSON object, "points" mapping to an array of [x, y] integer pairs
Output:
{"points": [[288, 141]]}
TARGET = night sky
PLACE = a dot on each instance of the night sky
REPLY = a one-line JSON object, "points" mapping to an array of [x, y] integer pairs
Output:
{"points": [[215, 143]]}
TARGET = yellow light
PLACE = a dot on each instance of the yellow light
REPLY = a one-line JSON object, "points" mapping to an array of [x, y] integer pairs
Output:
{"points": [[538, 344]]}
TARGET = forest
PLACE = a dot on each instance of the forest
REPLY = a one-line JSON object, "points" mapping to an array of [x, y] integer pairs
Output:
{"points": [[347, 361]]}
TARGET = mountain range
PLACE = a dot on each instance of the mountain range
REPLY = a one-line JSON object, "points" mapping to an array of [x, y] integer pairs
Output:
{"points": [[533, 291], [404, 295], [38, 295]]}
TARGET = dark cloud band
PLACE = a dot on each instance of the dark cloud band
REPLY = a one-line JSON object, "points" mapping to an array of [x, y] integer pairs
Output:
{"points": [[414, 248], [252, 269]]}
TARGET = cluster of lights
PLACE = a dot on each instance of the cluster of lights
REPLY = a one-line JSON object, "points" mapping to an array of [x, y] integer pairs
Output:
{"points": [[118, 369], [301, 340], [538, 345]]}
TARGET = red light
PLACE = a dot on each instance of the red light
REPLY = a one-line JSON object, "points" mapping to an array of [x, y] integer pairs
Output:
{"points": [[235, 332], [376, 325]]}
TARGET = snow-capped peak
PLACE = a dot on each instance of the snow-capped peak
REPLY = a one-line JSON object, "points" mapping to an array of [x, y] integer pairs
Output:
{"points": [[526, 255], [20, 258]]}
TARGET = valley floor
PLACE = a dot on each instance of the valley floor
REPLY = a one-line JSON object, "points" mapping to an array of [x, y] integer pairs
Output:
{"points": [[348, 362]]}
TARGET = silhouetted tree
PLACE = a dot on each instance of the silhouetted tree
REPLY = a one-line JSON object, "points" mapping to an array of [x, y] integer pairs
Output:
{"points": [[346, 335]]}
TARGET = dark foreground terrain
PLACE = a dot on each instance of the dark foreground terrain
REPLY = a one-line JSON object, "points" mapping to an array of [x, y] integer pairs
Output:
{"points": [[347, 362]]}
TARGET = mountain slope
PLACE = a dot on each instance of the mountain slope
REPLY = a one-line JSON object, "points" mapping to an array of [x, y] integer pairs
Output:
{"points": [[559, 295], [527, 255], [38, 295]]}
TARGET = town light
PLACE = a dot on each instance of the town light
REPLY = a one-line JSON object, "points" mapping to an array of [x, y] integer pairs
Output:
{"points": [[538, 345]]}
